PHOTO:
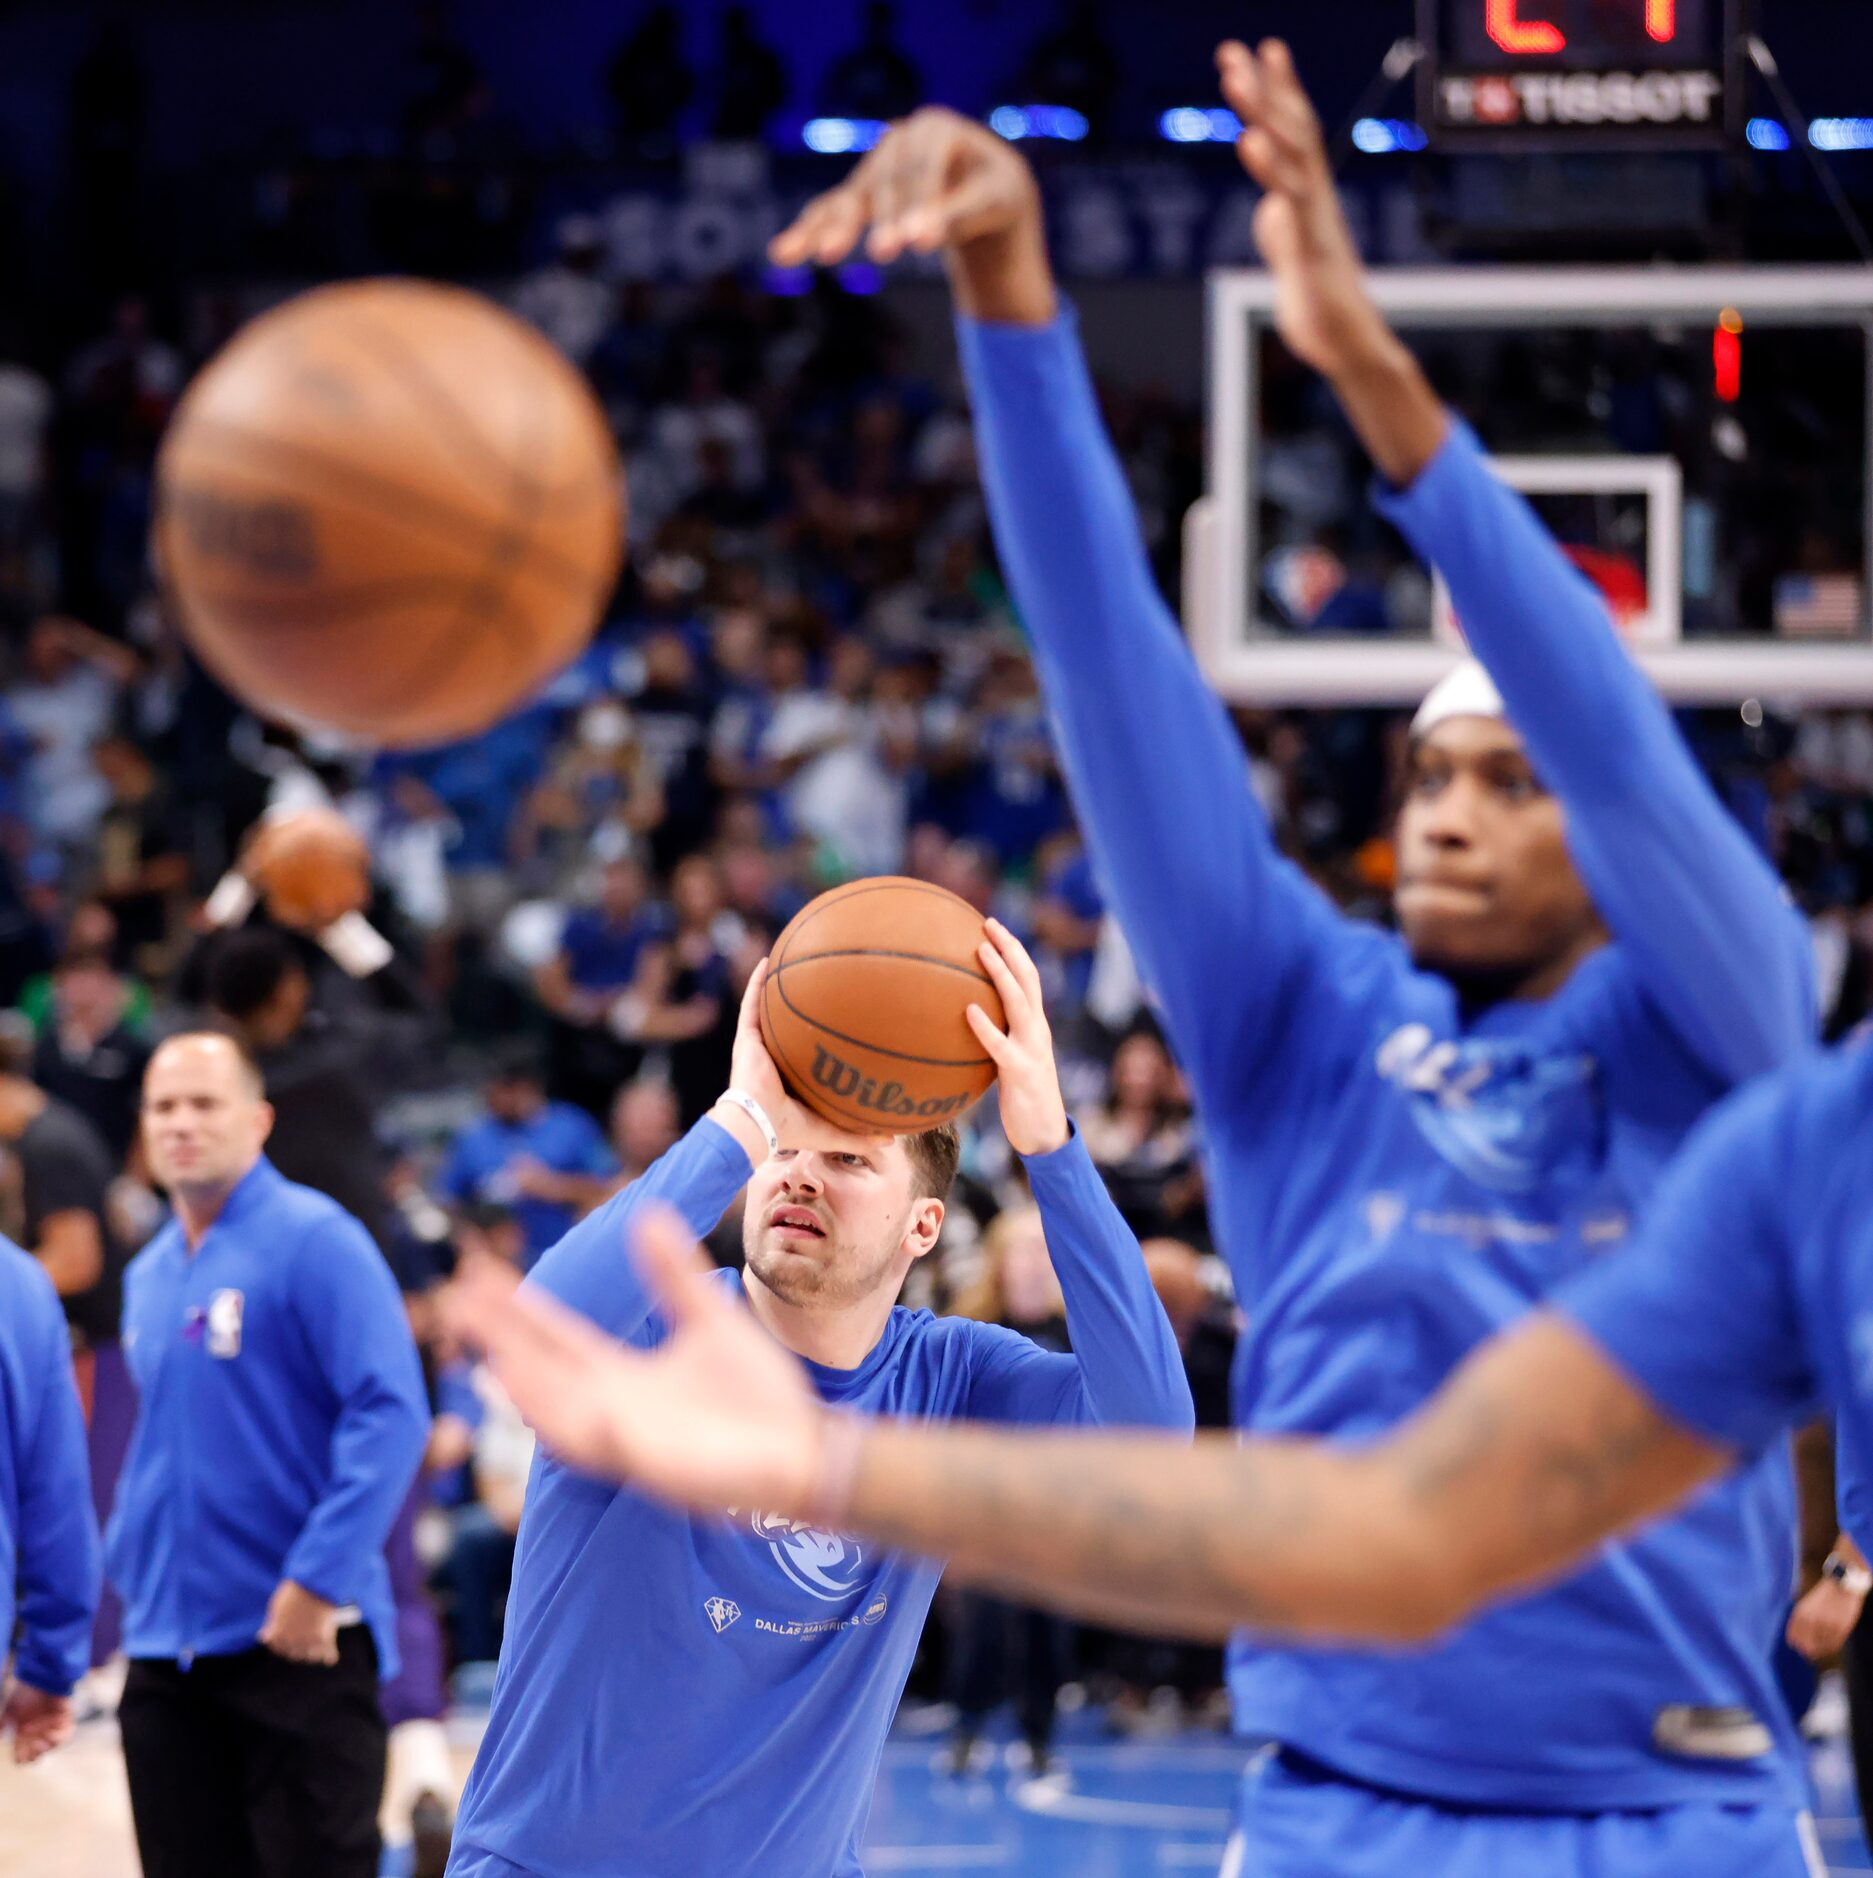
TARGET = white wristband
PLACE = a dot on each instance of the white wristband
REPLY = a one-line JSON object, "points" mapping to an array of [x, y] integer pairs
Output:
{"points": [[757, 1114]]}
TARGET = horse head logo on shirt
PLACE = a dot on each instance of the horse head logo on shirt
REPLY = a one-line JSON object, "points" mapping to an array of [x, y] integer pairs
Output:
{"points": [[1507, 1116], [826, 1564]]}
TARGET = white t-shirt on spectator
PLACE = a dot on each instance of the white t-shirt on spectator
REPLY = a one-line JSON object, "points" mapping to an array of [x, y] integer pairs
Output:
{"points": [[65, 794], [845, 796]]}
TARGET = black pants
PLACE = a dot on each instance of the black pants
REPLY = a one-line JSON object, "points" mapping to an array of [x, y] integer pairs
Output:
{"points": [[250, 1766], [1003, 1650]]}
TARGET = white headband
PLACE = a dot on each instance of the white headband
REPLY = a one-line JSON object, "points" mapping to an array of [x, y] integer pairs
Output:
{"points": [[1466, 691]]}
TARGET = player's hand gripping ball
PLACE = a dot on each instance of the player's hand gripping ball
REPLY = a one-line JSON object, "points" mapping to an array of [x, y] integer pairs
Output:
{"points": [[863, 1006]]}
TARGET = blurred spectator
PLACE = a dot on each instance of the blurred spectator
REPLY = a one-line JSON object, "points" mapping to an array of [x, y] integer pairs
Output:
{"points": [[1004, 1650], [1194, 1288], [841, 780], [1068, 913], [600, 798], [645, 1123], [28, 566], [670, 710], [1142, 1141], [567, 299], [706, 411], [475, 1570], [601, 956], [141, 862], [650, 84], [543, 1163], [123, 385], [91, 1053], [57, 1175], [328, 1070], [1018, 799], [685, 1001], [750, 82], [875, 79], [65, 701], [1075, 65], [417, 1809]]}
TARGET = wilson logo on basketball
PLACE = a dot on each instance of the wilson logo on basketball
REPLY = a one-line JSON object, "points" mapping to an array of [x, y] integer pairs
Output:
{"points": [[265, 537], [851, 1085]]}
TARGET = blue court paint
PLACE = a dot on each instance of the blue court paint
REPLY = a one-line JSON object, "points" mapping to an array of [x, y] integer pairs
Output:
{"points": [[1127, 1810]]}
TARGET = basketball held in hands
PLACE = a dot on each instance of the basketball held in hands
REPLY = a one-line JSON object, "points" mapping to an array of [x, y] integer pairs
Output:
{"points": [[863, 1006]]}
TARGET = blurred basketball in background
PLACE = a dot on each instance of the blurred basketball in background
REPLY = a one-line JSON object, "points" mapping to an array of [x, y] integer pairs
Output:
{"points": [[863, 1006], [310, 866], [388, 508]]}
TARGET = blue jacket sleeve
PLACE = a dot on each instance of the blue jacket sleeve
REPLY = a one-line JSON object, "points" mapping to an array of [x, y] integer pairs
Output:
{"points": [[360, 1337], [590, 1270], [1700, 914], [1853, 1491], [1125, 1370], [1158, 775], [60, 1567]]}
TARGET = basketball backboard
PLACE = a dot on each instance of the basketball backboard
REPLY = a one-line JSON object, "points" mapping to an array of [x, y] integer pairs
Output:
{"points": [[1736, 530]]}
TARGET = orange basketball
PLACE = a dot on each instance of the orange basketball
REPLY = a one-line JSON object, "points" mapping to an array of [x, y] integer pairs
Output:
{"points": [[311, 866], [863, 1006], [388, 508]]}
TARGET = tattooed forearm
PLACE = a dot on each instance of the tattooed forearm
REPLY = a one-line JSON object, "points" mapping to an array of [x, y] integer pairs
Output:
{"points": [[1535, 1451]]}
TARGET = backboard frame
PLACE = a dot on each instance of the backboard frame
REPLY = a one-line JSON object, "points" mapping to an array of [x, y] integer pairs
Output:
{"points": [[1658, 479], [1251, 662]]}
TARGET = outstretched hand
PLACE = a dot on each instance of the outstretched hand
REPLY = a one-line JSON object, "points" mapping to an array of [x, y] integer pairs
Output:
{"points": [[717, 1415], [1322, 307], [937, 181]]}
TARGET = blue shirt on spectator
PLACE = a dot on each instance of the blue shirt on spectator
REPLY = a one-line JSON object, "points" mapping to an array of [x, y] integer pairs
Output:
{"points": [[455, 1394], [602, 954], [1071, 884], [481, 1166]]}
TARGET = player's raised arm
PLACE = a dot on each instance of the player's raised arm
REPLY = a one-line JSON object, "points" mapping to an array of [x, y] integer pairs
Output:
{"points": [[698, 1177], [1699, 911], [1229, 937], [1125, 1369]]}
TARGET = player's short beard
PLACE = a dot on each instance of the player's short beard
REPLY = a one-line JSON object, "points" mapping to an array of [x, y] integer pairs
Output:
{"points": [[838, 1278]]}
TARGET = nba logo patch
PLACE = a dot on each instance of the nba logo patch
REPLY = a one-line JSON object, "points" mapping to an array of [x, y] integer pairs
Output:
{"points": [[224, 1323], [721, 1612]]}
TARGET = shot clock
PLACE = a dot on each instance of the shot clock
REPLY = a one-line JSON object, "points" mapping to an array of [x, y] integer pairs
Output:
{"points": [[1561, 74]]}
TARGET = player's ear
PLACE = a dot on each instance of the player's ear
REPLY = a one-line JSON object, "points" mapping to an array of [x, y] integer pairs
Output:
{"points": [[926, 1223]]}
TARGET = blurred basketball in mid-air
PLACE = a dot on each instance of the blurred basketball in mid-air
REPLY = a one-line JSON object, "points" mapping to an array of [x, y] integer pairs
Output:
{"points": [[310, 866], [863, 1006], [388, 508]]}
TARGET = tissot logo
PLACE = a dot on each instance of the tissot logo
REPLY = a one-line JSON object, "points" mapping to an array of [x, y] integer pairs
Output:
{"points": [[848, 1083], [1693, 97]]}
